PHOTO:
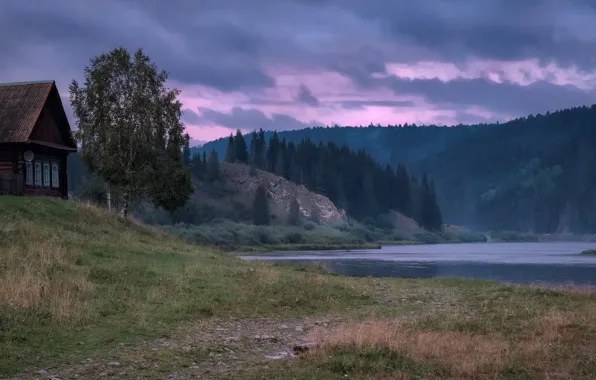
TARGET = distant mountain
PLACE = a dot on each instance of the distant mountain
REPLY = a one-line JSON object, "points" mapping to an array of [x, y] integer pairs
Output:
{"points": [[197, 143], [536, 173]]}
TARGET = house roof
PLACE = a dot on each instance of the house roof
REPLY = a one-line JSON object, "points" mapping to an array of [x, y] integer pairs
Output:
{"points": [[21, 104]]}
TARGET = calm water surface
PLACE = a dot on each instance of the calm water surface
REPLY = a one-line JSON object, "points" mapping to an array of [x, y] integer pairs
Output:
{"points": [[524, 263]]}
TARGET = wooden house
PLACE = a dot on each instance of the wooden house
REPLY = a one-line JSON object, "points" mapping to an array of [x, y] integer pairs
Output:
{"points": [[35, 140]]}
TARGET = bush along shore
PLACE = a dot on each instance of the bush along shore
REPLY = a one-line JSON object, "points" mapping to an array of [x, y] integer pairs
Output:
{"points": [[240, 237]]}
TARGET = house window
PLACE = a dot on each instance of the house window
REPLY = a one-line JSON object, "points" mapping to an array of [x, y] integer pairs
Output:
{"points": [[28, 173], [55, 178], [46, 174], [38, 174]]}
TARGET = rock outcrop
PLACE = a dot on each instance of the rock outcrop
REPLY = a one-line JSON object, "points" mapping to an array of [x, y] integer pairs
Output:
{"points": [[281, 192]]}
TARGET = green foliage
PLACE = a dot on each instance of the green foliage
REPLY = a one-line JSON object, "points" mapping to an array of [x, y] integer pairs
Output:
{"points": [[261, 207], [213, 166], [231, 150], [240, 148], [512, 236], [229, 235], [589, 252], [294, 214], [309, 226], [186, 155], [129, 128], [315, 215]]}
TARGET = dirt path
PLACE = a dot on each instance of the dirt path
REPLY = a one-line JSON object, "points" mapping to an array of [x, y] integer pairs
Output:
{"points": [[208, 349], [202, 350]]}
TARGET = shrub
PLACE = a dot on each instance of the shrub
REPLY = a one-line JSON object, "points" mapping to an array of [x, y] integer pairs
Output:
{"points": [[513, 236], [294, 238], [309, 226]]}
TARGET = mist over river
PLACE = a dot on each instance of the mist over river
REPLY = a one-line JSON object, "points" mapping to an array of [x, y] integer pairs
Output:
{"points": [[553, 263]]}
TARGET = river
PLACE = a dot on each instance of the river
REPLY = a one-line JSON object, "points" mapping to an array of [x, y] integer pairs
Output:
{"points": [[553, 263]]}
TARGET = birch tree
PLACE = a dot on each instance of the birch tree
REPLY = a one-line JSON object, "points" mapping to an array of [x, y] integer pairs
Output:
{"points": [[130, 130]]}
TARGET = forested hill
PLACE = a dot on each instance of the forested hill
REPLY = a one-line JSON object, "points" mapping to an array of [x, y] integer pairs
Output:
{"points": [[535, 173]]}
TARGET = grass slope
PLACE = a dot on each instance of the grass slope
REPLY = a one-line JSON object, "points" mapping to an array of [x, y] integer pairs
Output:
{"points": [[75, 283], [73, 276]]}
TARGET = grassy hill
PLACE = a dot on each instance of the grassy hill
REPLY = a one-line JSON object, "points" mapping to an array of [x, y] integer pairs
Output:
{"points": [[83, 296], [71, 273]]}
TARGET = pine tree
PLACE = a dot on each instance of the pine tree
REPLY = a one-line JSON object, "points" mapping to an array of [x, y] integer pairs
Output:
{"points": [[402, 189], [204, 163], [241, 152], [186, 158], [370, 201], [213, 166], [260, 207], [430, 215], [280, 164], [273, 152], [436, 217], [197, 166], [252, 152], [315, 214], [294, 215], [261, 151], [341, 201], [231, 150]]}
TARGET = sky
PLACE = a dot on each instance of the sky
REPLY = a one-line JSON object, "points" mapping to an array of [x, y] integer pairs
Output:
{"points": [[290, 64]]}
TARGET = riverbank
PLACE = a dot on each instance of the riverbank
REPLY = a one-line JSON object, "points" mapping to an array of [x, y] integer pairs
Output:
{"points": [[239, 237], [87, 297]]}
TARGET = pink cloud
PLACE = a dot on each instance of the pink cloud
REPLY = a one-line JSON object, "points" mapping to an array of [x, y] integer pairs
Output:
{"points": [[522, 72], [332, 89]]}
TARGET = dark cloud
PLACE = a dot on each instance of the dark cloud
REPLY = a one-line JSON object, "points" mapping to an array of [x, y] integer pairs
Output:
{"points": [[224, 55], [360, 104], [505, 98], [248, 119], [306, 97], [190, 117], [492, 29], [230, 45]]}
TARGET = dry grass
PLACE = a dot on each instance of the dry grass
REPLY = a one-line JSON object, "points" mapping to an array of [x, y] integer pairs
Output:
{"points": [[41, 273], [462, 354], [554, 345], [265, 273]]}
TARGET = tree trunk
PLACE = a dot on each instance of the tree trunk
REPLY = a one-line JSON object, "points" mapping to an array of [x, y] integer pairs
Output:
{"points": [[124, 210], [109, 197]]}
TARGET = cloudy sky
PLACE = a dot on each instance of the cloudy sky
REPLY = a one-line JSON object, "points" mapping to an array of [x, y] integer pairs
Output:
{"points": [[287, 64]]}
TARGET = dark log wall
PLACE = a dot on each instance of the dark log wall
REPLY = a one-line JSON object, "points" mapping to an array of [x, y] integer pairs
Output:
{"points": [[46, 129], [11, 178], [6, 158]]}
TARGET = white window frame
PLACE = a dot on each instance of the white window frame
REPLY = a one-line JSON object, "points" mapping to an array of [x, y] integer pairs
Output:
{"points": [[37, 173], [46, 174], [29, 173], [55, 175]]}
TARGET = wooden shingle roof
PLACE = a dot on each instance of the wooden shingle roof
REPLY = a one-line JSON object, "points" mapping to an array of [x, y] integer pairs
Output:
{"points": [[20, 106]]}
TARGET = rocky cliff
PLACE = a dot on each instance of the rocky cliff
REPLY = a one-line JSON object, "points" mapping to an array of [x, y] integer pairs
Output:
{"points": [[238, 180]]}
